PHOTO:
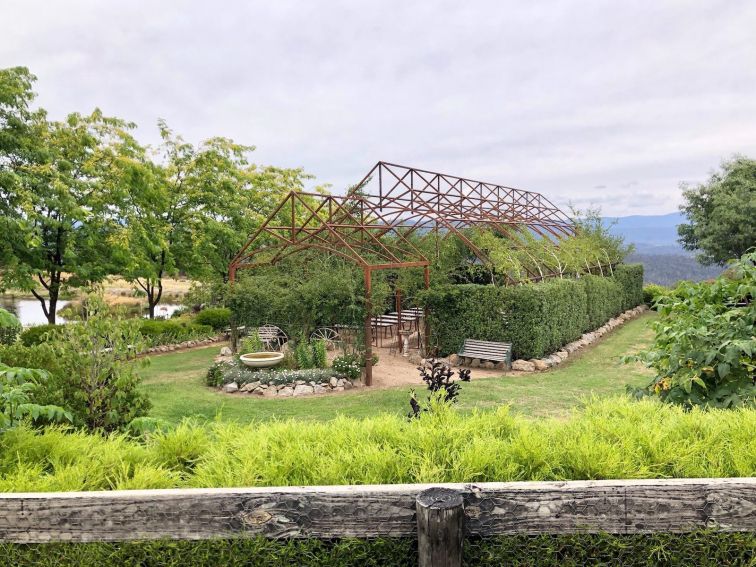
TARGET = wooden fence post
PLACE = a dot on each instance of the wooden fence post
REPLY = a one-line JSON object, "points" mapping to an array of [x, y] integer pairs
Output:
{"points": [[440, 527]]}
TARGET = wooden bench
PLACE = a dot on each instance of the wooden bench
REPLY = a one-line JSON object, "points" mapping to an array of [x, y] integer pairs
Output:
{"points": [[488, 350]]}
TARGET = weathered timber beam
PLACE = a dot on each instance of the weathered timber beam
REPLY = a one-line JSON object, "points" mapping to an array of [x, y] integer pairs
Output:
{"points": [[613, 506]]}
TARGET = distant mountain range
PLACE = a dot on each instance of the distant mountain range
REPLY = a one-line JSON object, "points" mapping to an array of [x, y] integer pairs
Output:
{"points": [[656, 247], [649, 233]]}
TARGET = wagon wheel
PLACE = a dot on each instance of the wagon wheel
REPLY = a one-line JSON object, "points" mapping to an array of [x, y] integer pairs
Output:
{"points": [[327, 334]]}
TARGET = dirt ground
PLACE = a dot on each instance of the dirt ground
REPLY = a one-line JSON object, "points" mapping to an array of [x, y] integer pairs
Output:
{"points": [[396, 370]]}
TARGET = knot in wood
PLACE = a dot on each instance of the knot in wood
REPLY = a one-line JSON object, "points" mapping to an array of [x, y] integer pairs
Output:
{"points": [[255, 518]]}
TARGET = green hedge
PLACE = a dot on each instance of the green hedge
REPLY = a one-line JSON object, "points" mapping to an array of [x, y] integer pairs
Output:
{"points": [[10, 327], [704, 548], [536, 318], [161, 332], [216, 317], [38, 334], [630, 279]]}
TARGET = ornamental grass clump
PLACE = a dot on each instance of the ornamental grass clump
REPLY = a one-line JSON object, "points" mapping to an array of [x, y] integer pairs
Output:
{"points": [[607, 439]]}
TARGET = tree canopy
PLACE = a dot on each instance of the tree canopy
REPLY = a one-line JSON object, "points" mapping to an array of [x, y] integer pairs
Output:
{"points": [[721, 213], [81, 199]]}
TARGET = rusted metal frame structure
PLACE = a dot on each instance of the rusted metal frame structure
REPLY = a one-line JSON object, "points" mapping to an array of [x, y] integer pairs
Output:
{"points": [[371, 226], [449, 204], [347, 227]]}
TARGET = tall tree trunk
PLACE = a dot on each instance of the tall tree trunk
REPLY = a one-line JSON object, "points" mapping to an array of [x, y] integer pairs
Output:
{"points": [[154, 293], [49, 303]]}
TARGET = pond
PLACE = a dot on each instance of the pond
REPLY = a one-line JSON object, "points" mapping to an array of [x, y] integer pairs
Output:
{"points": [[29, 311]]}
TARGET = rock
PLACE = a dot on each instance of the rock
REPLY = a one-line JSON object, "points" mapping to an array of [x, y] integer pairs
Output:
{"points": [[226, 351], [333, 382], [454, 359], [231, 387], [415, 358], [338, 389], [286, 392], [475, 363], [269, 393], [347, 385], [302, 390], [313, 384], [562, 355], [258, 392], [340, 382], [553, 360], [488, 365], [300, 383], [540, 364], [500, 365], [523, 366], [318, 389], [250, 386]]}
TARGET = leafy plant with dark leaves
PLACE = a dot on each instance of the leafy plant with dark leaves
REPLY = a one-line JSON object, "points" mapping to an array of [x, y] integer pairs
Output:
{"points": [[439, 377]]}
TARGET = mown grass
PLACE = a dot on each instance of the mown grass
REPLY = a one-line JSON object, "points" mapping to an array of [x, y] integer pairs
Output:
{"points": [[175, 384]]}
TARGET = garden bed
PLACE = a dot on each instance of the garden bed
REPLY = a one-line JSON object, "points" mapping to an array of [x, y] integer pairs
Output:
{"points": [[233, 378]]}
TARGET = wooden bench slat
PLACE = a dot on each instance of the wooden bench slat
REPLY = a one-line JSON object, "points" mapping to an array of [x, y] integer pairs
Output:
{"points": [[487, 350]]}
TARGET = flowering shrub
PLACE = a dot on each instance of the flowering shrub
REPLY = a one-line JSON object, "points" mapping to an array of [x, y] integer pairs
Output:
{"points": [[222, 373], [348, 366]]}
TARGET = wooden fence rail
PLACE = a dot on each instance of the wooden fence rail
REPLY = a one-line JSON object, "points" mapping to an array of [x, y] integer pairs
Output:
{"points": [[612, 506]]}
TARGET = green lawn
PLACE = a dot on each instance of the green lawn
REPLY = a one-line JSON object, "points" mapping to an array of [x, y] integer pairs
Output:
{"points": [[175, 384]]}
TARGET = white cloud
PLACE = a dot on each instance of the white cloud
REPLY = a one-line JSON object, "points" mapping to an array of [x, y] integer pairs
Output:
{"points": [[575, 100]]}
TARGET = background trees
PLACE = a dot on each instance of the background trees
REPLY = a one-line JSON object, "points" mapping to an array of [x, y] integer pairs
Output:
{"points": [[61, 194], [81, 199], [721, 213]]}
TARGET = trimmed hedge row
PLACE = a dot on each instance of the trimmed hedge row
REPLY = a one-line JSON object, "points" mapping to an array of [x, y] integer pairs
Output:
{"points": [[536, 318]]}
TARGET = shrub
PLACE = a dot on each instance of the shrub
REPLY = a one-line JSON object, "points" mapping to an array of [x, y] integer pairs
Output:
{"points": [[607, 439], [704, 352], [18, 387], [216, 317], [40, 356], [162, 332], [310, 354], [221, 373], [252, 343], [651, 292], [38, 334], [348, 366], [98, 381], [443, 390], [10, 327]]}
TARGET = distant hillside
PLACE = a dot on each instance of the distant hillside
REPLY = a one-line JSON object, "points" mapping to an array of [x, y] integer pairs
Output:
{"points": [[668, 269], [656, 247], [649, 231]]}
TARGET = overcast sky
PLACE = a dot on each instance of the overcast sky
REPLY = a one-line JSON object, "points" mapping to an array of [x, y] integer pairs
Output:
{"points": [[609, 103]]}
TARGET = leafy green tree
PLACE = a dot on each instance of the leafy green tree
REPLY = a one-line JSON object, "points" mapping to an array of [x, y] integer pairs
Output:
{"points": [[62, 186], [721, 213], [17, 148]]}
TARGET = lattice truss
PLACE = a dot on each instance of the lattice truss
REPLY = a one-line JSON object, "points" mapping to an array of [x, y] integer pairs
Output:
{"points": [[375, 223]]}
